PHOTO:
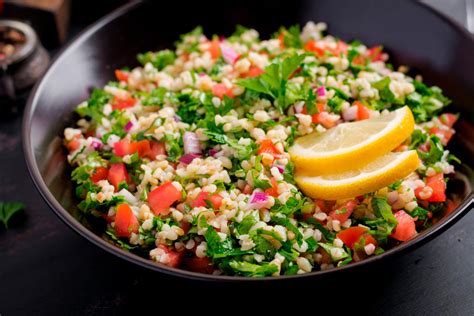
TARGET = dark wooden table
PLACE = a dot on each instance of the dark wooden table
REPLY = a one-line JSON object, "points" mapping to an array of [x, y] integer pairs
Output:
{"points": [[45, 268]]}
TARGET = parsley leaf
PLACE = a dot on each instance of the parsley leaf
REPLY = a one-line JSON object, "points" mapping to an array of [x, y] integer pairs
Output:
{"points": [[159, 59], [251, 269], [435, 153], [273, 82], [8, 209]]}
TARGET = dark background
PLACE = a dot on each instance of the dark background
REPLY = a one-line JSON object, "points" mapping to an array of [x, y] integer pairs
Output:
{"points": [[45, 268]]}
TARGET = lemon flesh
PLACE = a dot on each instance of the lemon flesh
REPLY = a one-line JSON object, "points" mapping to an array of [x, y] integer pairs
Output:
{"points": [[373, 176], [351, 145]]}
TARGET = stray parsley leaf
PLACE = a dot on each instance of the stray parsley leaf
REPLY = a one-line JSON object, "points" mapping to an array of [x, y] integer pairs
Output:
{"points": [[8, 209]]}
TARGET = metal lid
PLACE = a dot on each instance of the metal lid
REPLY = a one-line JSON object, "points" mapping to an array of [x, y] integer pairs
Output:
{"points": [[27, 48]]}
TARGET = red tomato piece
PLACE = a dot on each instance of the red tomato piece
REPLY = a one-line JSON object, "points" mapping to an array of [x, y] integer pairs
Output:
{"points": [[201, 265], [342, 213], [120, 104], [369, 239], [214, 199], [161, 198], [143, 147], [125, 147], [253, 72], [375, 53], [267, 146], [100, 173], [448, 119], [351, 235], [438, 185], [362, 111], [405, 229], [156, 148], [175, 258], [125, 221], [220, 90], [215, 49], [117, 174], [444, 135], [121, 75], [273, 191], [311, 46], [73, 145]]}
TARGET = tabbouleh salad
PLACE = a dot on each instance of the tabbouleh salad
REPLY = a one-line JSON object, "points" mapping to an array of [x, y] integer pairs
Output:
{"points": [[185, 158]]}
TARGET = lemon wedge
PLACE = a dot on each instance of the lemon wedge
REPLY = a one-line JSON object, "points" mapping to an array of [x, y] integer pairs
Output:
{"points": [[351, 145], [377, 174]]}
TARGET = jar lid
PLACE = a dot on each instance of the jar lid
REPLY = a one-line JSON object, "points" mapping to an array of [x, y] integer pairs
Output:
{"points": [[26, 48]]}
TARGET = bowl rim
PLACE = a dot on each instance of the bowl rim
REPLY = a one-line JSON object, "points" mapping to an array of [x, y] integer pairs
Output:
{"points": [[76, 226]]}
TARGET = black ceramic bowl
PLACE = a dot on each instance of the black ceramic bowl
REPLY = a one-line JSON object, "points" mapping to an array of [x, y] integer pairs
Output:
{"points": [[414, 35]]}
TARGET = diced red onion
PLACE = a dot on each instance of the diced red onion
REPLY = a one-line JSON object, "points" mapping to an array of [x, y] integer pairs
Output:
{"points": [[201, 74], [229, 54], [177, 118], [128, 126], [188, 158], [350, 114], [280, 168], [257, 200], [321, 91], [191, 143], [213, 152], [221, 38], [96, 144]]}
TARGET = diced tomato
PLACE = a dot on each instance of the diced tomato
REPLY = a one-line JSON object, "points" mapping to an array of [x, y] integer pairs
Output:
{"points": [[443, 134], [125, 147], [161, 198], [100, 173], [201, 265], [323, 119], [214, 199], [320, 107], [438, 185], [156, 148], [120, 104], [175, 258], [73, 145], [405, 229], [143, 147], [324, 205], [448, 119], [215, 49], [281, 39], [117, 174], [267, 146], [363, 112], [125, 221], [369, 239], [121, 75], [220, 90], [253, 72], [342, 213], [375, 53], [273, 191], [311, 46], [351, 235]]}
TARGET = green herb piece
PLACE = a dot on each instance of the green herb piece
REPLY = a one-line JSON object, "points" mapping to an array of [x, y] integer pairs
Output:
{"points": [[8, 210], [251, 269]]}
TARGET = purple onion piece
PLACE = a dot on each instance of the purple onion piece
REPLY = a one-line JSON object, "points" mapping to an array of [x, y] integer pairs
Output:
{"points": [[257, 200], [213, 152], [176, 118], [229, 54], [96, 144], [280, 168], [191, 143], [128, 126], [188, 158], [321, 91]]}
